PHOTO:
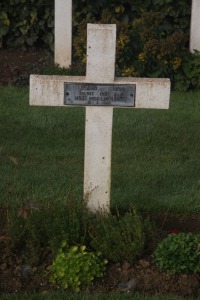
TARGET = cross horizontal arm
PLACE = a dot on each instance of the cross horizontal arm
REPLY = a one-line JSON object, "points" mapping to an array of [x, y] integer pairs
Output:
{"points": [[48, 90]]}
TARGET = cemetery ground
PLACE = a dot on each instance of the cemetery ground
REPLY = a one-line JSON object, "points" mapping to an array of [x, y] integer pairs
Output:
{"points": [[155, 168]]}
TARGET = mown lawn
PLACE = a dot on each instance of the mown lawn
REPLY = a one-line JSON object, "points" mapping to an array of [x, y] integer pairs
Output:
{"points": [[155, 155], [155, 161]]}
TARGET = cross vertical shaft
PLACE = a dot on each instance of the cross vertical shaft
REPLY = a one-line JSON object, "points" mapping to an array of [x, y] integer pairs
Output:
{"points": [[99, 92], [195, 26], [63, 33], [101, 44]]}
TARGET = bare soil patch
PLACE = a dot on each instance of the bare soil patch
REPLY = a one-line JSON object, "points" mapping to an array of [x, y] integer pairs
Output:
{"points": [[16, 65], [142, 276]]}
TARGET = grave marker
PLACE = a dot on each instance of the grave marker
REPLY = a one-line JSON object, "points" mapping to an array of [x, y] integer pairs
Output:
{"points": [[99, 91], [195, 26], [63, 33]]}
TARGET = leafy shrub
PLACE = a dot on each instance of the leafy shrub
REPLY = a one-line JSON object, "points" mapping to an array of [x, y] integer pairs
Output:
{"points": [[152, 35], [26, 23], [4, 23], [188, 77], [75, 267], [143, 47], [118, 238], [179, 253], [34, 226], [155, 44], [158, 49]]}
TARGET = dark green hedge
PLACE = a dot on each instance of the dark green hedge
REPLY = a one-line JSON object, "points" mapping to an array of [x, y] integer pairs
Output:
{"points": [[31, 22], [26, 23], [152, 35]]}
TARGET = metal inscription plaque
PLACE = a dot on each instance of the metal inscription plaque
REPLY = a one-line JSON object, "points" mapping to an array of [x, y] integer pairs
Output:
{"points": [[99, 94]]}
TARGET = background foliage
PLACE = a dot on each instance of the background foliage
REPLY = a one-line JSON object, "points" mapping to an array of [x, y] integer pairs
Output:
{"points": [[26, 23], [31, 22], [152, 35]]}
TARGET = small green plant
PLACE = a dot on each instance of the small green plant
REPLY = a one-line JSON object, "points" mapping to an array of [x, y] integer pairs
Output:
{"points": [[30, 226], [179, 253], [75, 267], [119, 238], [188, 77]]}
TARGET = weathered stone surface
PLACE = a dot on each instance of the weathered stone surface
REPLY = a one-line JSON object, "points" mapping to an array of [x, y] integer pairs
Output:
{"points": [[48, 90], [101, 41], [51, 91], [195, 26], [63, 33]]}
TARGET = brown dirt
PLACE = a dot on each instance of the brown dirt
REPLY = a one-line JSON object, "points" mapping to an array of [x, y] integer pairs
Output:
{"points": [[16, 65], [143, 276]]}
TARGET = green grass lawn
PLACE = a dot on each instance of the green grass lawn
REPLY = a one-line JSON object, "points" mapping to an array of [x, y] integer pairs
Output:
{"points": [[155, 155], [155, 163]]}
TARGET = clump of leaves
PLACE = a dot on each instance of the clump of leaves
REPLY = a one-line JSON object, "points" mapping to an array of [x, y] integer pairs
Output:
{"points": [[27, 24], [30, 226], [75, 267], [179, 253], [119, 238], [188, 77], [158, 47]]}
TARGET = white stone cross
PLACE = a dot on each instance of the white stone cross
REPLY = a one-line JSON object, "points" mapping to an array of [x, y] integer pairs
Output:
{"points": [[99, 91], [63, 33], [195, 26]]}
